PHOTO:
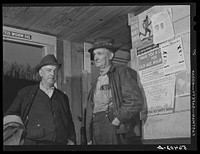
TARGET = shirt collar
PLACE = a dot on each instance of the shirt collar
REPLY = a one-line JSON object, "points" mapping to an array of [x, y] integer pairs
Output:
{"points": [[104, 71], [42, 87]]}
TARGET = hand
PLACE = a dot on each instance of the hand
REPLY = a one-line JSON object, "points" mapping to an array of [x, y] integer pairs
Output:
{"points": [[70, 142], [116, 122], [89, 143]]}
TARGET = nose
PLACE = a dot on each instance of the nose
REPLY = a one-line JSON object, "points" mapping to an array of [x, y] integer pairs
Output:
{"points": [[52, 73], [95, 58]]}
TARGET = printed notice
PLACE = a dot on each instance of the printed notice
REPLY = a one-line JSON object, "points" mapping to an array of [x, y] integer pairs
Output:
{"points": [[173, 56], [162, 27], [150, 63], [160, 95]]}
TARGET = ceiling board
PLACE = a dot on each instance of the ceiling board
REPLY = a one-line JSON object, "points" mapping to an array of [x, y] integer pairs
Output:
{"points": [[75, 23]]}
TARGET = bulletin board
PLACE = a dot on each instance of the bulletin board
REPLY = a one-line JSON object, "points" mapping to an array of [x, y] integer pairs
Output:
{"points": [[161, 55]]}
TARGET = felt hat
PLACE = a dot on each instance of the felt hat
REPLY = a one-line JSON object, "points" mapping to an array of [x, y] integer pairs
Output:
{"points": [[49, 59], [103, 42]]}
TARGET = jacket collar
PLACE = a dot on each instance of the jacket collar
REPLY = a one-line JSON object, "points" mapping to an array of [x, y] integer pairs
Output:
{"points": [[29, 102], [112, 68], [34, 89]]}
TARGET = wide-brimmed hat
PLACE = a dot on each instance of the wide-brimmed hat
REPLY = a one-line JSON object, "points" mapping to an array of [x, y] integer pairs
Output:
{"points": [[49, 59], [103, 42]]}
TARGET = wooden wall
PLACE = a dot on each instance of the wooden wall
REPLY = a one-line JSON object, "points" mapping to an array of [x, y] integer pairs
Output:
{"points": [[71, 55], [177, 124], [73, 74]]}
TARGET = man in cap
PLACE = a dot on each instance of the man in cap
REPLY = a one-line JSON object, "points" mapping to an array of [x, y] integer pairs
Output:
{"points": [[114, 101], [45, 110]]}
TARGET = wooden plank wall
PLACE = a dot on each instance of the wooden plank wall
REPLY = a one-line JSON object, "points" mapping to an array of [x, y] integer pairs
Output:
{"points": [[71, 55], [178, 124]]}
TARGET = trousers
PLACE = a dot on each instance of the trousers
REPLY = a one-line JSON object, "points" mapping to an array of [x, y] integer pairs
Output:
{"points": [[104, 132]]}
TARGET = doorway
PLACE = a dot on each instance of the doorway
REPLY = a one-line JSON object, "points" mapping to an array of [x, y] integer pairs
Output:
{"points": [[19, 61]]}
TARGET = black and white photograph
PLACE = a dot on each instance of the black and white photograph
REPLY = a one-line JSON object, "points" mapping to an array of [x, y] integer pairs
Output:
{"points": [[99, 77]]}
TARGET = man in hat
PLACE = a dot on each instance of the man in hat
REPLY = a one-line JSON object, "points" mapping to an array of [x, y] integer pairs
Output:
{"points": [[45, 110], [114, 101]]}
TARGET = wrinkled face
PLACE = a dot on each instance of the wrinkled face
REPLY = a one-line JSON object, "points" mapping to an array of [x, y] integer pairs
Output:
{"points": [[49, 74], [102, 57]]}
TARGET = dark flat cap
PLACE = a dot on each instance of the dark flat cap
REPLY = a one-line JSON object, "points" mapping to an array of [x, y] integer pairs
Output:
{"points": [[49, 59], [103, 42]]}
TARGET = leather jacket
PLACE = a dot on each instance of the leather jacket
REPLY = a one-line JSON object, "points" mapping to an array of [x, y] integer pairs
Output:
{"points": [[127, 99]]}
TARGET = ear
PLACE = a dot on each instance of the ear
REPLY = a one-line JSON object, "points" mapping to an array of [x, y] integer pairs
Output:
{"points": [[40, 73], [111, 55]]}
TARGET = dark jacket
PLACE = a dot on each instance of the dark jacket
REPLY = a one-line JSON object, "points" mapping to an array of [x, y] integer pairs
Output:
{"points": [[127, 99], [22, 104]]}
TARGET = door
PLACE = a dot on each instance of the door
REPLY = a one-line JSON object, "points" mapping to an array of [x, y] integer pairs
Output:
{"points": [[22, 51], [19, 61]]}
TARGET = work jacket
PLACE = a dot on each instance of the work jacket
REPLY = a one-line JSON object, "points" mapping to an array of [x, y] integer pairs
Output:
{"points": [[65, 125], [13, 128], [127, 99]]}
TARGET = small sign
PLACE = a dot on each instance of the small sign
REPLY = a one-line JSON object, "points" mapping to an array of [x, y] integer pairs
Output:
{"points": [[15, 34]]}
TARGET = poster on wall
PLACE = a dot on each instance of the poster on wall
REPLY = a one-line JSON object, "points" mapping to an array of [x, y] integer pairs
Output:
{"points": [[162, 27], [158, 88], [149, 61], [160, 95], [173, 56], [182, 83], [145, 23]]}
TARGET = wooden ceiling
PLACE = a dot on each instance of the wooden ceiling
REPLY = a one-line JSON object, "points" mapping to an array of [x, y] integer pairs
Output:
{"points": [[75, 23]]}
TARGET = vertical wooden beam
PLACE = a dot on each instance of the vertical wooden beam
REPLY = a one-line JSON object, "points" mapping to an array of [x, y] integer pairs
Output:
{"points": [[60, 60], [86, 74], [64, 76], [67, 70], [70, 54], [76, 81]]}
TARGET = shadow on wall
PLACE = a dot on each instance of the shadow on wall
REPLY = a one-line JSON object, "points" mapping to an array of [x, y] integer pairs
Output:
{"points": [[10, 88]]}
